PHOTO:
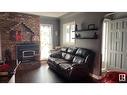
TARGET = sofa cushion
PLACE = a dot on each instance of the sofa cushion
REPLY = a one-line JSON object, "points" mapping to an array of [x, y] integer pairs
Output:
{"points": [[78, 60], [64, 49], [82, 52], [71, 50], [65, 66], [5, 67], [56, 55], [51, 59], [60, 61], [69, 57], [63, 55]]}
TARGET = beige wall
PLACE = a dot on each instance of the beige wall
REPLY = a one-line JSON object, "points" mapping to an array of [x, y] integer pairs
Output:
{"points": [[86, 18]]}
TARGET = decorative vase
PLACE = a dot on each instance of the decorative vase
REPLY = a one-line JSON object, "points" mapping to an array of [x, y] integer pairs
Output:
{"points": [[76, 27]]}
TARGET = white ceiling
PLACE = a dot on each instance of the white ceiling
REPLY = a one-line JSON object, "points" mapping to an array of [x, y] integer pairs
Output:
{"points": [[50, 14]]}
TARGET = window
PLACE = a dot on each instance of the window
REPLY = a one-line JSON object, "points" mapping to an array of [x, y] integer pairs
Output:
{"points": [[45, 40], [68, 35]]}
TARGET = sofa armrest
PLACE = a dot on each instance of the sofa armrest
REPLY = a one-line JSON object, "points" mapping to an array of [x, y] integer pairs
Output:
{"points": [[56, 55], [79, 70], [80, 66]]}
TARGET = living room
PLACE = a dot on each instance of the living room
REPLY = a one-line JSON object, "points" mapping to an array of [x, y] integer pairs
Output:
{"points": [[28, 40]]}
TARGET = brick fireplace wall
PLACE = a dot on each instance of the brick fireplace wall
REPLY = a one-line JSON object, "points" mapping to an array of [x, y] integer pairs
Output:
{"points": [[9, 21]]}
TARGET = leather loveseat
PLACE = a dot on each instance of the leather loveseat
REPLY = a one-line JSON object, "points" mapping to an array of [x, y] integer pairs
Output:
{"points": [[72, 63]]}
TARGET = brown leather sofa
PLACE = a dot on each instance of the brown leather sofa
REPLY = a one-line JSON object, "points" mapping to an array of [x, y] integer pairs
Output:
{"points": [[72, 63]]}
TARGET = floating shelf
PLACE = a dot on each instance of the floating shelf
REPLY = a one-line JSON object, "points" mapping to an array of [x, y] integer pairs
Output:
{"points": [[85, 30], [91, 31], [86, 38]]}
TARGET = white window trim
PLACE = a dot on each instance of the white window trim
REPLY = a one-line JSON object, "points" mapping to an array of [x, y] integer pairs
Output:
{"points": [[64, 35]]}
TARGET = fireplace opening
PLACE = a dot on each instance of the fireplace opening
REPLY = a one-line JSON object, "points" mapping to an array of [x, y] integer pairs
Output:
{"points": [[28, 53]]}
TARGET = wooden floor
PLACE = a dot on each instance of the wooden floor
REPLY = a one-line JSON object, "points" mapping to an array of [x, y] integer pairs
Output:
{"points": [[40, 75]]}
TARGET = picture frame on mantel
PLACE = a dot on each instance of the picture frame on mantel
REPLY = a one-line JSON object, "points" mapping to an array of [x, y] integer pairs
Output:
{"points": [[91, 26]]}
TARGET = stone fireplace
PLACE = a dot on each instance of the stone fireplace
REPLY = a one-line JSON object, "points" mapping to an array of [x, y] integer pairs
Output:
{"points": [[19, 31], [20, 36]]}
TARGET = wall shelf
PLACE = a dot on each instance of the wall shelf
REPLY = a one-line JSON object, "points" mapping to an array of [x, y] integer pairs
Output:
{"points": [[86, 34], [85, 30], [86, 38]]}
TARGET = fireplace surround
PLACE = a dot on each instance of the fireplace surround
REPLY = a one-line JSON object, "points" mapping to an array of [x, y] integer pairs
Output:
{"points": [[27, 52]]}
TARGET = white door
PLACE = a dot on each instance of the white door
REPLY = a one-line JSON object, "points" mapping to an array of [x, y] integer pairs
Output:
{"points": [[45, 40], [115, 46]]}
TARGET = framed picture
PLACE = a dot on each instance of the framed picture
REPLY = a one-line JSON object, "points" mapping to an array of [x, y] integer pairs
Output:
{"points": [[91, 26]]}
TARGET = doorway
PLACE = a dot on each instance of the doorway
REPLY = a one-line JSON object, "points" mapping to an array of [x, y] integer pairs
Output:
{"points": [[45, 40], [114, 49]]}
